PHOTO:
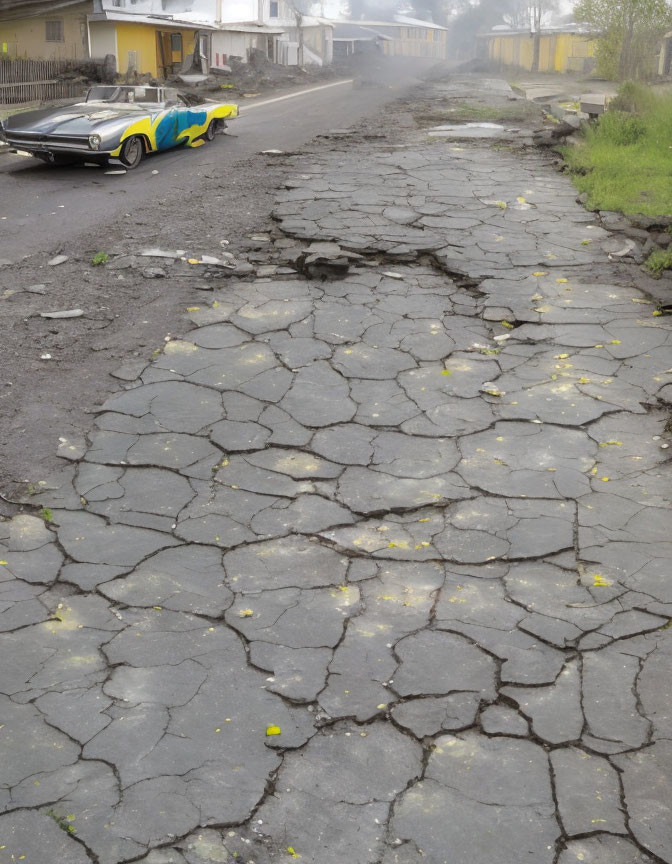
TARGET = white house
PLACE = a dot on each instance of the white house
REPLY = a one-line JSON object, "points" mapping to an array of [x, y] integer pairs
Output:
{"points": [[242, 26]]}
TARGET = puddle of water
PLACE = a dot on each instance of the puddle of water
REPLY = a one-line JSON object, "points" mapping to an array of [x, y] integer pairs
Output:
{"points": [[470, 130]]}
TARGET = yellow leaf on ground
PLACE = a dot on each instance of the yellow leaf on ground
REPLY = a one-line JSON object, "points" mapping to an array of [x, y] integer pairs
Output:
{"points": [[273, 730]]}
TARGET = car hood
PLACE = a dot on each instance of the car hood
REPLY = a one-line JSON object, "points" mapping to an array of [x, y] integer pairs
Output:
{"points": [[80, 119]]}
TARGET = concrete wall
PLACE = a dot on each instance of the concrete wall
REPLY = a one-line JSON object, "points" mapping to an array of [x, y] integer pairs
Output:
{"points": [[26, 37]]}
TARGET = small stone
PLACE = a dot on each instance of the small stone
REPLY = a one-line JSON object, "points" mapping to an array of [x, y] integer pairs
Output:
{"points": [[59, 259], [66, 313], [154, 273], [243, 269], [36, 289]]}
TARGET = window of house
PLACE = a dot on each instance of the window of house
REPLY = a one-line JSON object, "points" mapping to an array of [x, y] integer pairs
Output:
{"points": [[176, 42], [54, 31], [274, 9], [119, 3]]}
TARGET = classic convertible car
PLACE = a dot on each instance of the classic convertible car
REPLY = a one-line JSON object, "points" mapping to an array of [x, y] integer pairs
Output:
{"points": [[116, 124]]}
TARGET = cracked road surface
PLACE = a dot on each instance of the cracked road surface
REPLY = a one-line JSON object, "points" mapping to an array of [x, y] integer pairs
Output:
{"points": [[371, 569]]}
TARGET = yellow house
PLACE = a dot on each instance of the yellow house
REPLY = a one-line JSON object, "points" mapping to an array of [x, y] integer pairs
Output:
{"points": [[559, 51], [409, 37], [45, 30], [144, 44]]}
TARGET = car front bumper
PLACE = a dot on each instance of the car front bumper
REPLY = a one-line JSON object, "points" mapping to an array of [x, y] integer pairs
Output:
{"points": [[47, 149]]}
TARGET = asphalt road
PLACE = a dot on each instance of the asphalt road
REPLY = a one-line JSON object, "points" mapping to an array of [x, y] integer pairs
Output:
{"points": [[42, 207]]}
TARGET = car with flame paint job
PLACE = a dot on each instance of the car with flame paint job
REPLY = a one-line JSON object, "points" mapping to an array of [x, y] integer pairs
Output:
{"points": [[117, 124]]}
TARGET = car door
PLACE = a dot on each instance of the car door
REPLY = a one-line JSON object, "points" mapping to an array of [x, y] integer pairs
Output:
{"points": [[168, 128], [191, 122]]}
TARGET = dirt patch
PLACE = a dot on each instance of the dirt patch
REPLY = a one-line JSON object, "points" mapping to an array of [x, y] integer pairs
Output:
{"points": [[126, 315]]}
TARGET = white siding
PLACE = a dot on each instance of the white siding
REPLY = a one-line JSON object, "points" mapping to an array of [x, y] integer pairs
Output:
{"points": [[103, 36]]}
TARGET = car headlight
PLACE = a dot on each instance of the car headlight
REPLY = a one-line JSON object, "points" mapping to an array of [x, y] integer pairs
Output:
{"points": [[95, 142]]}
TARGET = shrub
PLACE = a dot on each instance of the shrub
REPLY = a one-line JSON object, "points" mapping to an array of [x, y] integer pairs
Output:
{"points": [[621, 128], [635, 98]]}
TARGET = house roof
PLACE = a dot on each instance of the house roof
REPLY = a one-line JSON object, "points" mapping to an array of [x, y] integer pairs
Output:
{"points": [[580, 29], [316, 21], [399, 21], [348, 31], [32, 7], [249, 27], [167, 21], [416, 22]]}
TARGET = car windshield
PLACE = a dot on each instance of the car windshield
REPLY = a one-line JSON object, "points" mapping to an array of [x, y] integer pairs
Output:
{"points": [[123, 94]]}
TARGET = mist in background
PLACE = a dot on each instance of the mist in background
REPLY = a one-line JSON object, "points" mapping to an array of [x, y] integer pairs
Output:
{"points": [[468, 16]]}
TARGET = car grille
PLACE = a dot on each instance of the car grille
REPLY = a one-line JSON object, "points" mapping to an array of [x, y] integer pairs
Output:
{"points": [[32, 139]]}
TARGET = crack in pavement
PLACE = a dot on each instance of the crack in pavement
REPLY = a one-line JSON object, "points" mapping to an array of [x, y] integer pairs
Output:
{"points": [[371, 565]]}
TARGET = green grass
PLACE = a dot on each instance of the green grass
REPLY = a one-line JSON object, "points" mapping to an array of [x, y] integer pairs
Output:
{"points": [[658, 262], [624, 162]]}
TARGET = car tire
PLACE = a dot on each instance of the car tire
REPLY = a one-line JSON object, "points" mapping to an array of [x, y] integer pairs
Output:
{"points": [[132, 152], [211, 131]]}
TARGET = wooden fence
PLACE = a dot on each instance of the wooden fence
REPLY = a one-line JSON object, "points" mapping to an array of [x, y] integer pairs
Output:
{"points": [[37, 80]]}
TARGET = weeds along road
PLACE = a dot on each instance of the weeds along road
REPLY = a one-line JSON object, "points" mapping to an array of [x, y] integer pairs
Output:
{"points": [[44, 207]]}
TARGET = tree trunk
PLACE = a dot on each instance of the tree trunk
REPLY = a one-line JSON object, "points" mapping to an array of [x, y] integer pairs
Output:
{"points": [[299, 20], [625, 66], [536, 24], [536, 52]]}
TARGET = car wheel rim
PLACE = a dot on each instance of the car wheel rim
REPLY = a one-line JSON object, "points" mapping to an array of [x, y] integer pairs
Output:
{"points": [[133, 151]]}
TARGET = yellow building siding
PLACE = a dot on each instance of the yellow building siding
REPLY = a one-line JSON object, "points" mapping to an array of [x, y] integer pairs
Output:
{"points": [[136, 42], [416, 42], [27, 37], [558, 52], [139, 43]]}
